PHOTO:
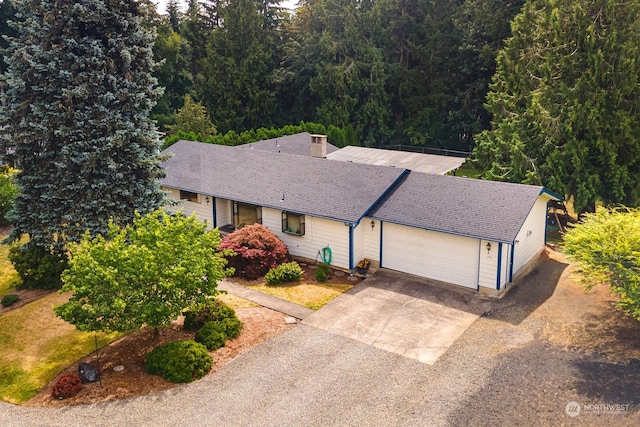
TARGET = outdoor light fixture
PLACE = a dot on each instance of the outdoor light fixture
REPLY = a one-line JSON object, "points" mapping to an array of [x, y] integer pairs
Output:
{"points": [[488, 246], [373, 224], [207, 199]]}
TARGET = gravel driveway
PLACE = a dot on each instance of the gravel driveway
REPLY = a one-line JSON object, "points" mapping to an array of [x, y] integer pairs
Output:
{"points": [[539, 348]]}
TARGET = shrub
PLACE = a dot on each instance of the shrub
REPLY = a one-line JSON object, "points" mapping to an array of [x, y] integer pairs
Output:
{"points": [[322, 273], [8, 192], [38, 267], [256, 250], [67, 385], [179, 361], [9, 299], [286, 272], [211, 311], [231, 326], [211, 335]]}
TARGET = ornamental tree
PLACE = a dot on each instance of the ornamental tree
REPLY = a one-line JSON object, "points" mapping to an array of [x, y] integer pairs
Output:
{"points": [[607, 246], [79, 90], [564, 101], [144, 273]]}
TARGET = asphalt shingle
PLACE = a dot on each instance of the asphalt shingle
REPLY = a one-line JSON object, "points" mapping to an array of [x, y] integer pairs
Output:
{"points": [[336, 190], [470, 207], [299, 144]]}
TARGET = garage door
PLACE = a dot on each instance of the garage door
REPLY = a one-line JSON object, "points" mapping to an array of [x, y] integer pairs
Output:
{"points": [[445, 257]]}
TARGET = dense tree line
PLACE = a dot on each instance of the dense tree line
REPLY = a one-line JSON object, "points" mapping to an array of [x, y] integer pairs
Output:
{"points": [[393, 71]]}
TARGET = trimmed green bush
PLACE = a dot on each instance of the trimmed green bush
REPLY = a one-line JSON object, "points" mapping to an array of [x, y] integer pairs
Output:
{"points": [[179, 361], [211, 311], [9, 299], [211, 335], [37, 267], [231, 326], [286, 272], [322, 273]]}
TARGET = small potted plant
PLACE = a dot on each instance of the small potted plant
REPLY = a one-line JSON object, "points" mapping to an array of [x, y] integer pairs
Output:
{"points": [[363, 265]]}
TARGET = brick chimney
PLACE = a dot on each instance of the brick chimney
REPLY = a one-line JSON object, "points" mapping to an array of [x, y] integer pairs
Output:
{"points": [[319, 146]]}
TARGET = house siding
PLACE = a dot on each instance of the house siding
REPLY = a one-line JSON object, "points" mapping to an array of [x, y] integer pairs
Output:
{"points": [[319, 233], [202, 210], [371, 237], [530, 238]]}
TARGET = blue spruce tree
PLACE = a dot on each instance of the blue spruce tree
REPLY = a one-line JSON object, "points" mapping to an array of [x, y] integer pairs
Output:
{"points": [[79, 90]]}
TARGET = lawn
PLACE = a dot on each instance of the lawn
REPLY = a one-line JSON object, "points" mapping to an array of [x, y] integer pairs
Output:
{"points": [[467, 170], [8, 277], [35, 346], [311, 295]]}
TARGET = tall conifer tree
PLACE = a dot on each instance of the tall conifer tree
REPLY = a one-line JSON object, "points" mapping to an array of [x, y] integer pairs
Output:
{"points": [[79, 93], [565, 102]]}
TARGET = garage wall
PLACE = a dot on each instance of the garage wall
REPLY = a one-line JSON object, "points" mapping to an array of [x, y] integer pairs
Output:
{"points": [[368, 243], [201, 209], [319, 233], [445, 257], [531, 236]]}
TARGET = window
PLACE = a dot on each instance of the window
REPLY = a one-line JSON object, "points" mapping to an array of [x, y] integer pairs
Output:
{"points": [[244, 214], [189, 196], [293, 223]]}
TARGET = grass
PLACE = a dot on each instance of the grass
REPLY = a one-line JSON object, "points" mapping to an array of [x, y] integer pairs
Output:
{"points": [[235, 302], [467, 170], [35, 346], [310, 295], [9, 279]]}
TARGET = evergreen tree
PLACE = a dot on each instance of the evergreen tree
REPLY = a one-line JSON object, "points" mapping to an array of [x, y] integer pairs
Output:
{"points": [[237, 86], [173, 73], [193, 117], [7, 13], [565, 102], [173, 15], [79, 93]]}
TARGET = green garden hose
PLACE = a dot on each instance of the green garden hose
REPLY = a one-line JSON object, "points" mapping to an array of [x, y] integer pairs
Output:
{"points": [[325, 254]]}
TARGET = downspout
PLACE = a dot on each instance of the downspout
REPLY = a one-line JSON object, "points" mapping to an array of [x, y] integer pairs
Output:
{"points": [[214, 213], [479, 263], [381, 243], [499, 272], [351, 264], [513, 251]]}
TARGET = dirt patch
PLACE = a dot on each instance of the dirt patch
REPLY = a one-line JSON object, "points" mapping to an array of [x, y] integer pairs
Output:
{"points": [[259, 325]]}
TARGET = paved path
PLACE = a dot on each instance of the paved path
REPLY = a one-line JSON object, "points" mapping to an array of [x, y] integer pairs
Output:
{"points": [[396, 313], [513, 366], [265, 300]]}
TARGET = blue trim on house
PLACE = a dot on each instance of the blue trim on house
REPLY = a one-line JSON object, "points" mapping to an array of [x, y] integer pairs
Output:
{"points": [[214, 213], [351, 264], [499, 272], [384, 194], [552, 194], [479, 263], [380, 258], [513, 251]]}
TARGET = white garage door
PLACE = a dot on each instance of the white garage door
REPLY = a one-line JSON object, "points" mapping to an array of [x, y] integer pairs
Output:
{"points": [[445, 257]]}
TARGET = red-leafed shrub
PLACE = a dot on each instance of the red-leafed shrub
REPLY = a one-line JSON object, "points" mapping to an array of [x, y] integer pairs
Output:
{"points": [[68, 385], [257, 250]]}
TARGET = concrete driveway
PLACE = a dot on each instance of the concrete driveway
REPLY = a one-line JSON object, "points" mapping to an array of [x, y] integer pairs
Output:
{"points": [[401, 314]]}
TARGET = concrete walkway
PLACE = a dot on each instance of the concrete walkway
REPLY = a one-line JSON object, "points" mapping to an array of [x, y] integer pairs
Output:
{"points": [[265, 300]]}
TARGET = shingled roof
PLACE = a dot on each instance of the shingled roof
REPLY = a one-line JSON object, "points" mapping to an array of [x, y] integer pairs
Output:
{"points": [[469, 207], [319, 187], [299, 144]]}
